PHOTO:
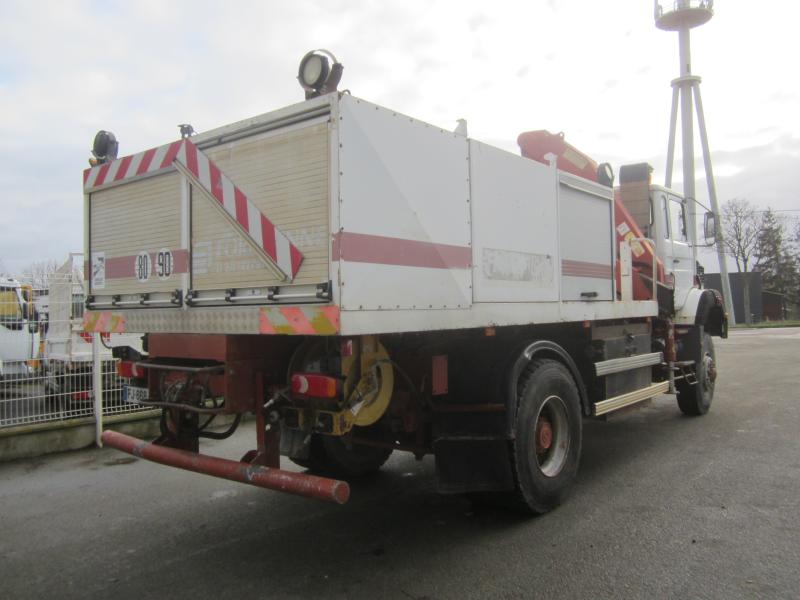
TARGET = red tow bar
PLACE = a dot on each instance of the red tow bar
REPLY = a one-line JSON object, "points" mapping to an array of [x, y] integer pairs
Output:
{"points": [[299, 484]]}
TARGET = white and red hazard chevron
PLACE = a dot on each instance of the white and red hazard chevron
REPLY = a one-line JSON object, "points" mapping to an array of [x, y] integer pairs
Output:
{"points": [[263, 232]]}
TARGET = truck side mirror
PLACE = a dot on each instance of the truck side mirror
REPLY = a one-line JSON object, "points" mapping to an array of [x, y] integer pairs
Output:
{"points": [[33, 320], [710, 228]]}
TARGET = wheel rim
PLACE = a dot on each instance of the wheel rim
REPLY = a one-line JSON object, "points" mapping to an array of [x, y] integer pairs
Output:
{"points": [[709, 373], [551, 436]]}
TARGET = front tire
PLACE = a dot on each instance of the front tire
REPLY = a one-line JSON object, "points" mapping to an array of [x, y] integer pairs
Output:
{"points": [[547, 445], [695, 400]]}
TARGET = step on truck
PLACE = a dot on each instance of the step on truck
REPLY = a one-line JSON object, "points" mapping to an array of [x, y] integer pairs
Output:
{"points": [[362, 282]]}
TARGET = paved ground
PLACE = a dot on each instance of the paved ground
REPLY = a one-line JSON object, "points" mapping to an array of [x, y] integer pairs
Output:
{"points": [[664, 507]]}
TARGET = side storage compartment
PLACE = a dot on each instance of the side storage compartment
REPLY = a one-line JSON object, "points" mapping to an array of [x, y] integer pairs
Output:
{"points": [[586, 228], [514, 246], [623, 361], [404, 230]]}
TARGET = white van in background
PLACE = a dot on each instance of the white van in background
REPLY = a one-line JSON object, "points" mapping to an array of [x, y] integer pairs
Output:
{"points": [[19, 331]]}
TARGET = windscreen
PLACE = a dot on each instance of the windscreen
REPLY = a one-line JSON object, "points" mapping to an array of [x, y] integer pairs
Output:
{"points": [[10, 309]]}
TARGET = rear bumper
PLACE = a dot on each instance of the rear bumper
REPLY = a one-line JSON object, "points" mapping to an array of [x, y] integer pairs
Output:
{"points": [[300, 484]]}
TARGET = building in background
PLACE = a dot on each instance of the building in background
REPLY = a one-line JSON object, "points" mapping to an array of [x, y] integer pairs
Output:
{"points": [[775, 306], [713, 281], [765, 305]]}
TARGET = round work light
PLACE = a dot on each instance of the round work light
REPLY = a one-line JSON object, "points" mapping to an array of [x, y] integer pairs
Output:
{"points": [[105, 146], [319, 73]]}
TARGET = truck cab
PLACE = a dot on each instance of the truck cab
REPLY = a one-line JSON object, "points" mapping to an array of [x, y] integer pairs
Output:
{"points": [[19, 331], [670, 231], [662, 216]]}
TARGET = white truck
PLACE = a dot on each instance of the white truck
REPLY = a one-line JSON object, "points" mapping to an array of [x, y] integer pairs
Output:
{"points": [[19, 332], [364, 282]]}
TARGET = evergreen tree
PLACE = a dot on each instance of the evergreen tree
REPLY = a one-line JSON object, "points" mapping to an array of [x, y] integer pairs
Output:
{"points": [[794, 251], [775, 257]]}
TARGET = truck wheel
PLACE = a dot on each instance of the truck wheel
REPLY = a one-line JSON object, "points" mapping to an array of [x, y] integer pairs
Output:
{"points": [[356, 461], [315, 461], [330, 455], [547, 446], [695, 400]]}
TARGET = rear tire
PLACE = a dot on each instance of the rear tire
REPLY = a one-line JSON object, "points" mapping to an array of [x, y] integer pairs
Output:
{"points": [[315, 461], [330, 455], [356, 461], [547, 446], [695, 400]]}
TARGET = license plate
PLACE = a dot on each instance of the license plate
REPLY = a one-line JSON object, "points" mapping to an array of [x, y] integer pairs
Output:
{"points": [[133, 394]]}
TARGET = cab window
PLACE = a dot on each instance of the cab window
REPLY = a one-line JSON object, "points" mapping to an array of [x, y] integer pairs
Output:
{"points": [[665, 208], [677, 220]]}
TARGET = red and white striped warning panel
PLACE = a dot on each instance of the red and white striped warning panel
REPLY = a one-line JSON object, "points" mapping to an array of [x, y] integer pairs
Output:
{"points": [[263, 232]]}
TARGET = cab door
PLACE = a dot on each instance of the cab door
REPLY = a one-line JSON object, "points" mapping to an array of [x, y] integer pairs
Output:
{"points": [[679, 260]]}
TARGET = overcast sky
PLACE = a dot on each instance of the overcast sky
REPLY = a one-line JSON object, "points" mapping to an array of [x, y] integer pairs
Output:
{"points": [[599, 71]]}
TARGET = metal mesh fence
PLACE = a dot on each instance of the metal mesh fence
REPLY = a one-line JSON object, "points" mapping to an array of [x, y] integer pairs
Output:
{"points": [[46, 359]]}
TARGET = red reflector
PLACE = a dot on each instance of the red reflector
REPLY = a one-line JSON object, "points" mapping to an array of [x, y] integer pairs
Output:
{"points": [[127, 368], [347, 348], [439, 377], [315, 385]]}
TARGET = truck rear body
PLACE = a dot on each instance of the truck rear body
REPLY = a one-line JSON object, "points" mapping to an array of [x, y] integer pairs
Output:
{"points": [[402, 226]]}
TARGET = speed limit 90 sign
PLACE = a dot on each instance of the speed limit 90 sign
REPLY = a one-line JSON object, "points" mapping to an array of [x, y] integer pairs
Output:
{"points": [[164, 263]]}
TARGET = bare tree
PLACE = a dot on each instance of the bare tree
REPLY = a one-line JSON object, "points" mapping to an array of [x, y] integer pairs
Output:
{"points": [[38, 272], [741, 224]]}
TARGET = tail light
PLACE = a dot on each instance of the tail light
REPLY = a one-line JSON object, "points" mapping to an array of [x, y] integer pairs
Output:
{"points": [[315, 385]]}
